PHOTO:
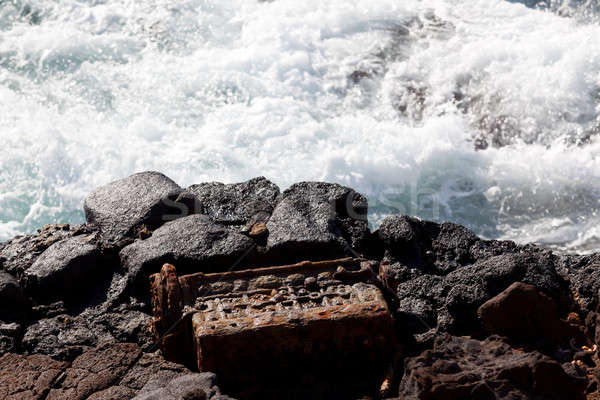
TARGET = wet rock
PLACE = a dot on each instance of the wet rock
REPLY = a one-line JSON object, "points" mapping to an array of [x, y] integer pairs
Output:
{"points": [[237, 203], [192, 244], [28, 378], [120, 208], [66, 269], [19, 253], [65, 337], [463, 368], [522, 312], [12, 299], [317, 220]]}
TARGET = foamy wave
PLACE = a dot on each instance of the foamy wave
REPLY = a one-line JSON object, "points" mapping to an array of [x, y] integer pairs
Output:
{"points": [[390, 98]]}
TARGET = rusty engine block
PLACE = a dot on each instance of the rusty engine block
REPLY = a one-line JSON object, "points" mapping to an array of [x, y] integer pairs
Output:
{"points": [[278, 332]]}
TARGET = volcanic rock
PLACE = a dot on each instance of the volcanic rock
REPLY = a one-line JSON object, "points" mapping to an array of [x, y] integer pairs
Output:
{"points": [[522, 312], [431, 247], [9, 337], [121, 208], [186, 387], [64, 337], [238, 203], [463, 368], [317, 220], [450, 302], [66, 269], [192, 243], [116, 371], [12, 299], [28, 378], [19, 253]]}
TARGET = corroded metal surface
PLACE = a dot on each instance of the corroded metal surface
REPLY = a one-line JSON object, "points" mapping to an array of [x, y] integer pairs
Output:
{"points": [[275, 321]]}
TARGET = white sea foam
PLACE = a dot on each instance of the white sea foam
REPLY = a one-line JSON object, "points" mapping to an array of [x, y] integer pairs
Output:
{"points": [[91, 91]]}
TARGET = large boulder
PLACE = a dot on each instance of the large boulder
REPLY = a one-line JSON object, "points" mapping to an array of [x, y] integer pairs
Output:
{"points": [[463, 368], [18, 254], [192, 244], [66, 269], [316, 220], [12, 299], [123, 208], [523, 313], [238, 203]]}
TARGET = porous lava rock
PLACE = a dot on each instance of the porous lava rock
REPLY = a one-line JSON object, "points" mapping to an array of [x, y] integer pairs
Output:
{"points": [[67, 269], [64, 337], [116, 371], [121, 208], [243, 203], [18, 254], [523, 313], [464, 368], [28, 378], [450, 302], [193, 243], [317, 220]]}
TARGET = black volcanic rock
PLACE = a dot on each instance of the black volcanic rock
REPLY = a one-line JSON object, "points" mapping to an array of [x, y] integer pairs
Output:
{"points": [[192, 244], [463, 368], [237, 203], [445, 290], [317, 220], [523, 313], [66, 269], [437, 248], [120, 209], [12, 299], [19, 253]]}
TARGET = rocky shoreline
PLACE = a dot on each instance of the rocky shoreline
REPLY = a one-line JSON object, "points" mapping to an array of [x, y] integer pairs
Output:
{"points": [[473, 319]]}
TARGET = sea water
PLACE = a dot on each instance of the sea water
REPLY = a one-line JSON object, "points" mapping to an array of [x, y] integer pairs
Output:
{"points": [[480, 112]]}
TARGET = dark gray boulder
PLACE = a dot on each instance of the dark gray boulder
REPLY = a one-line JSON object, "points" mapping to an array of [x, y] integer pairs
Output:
{"points": [[121, 208], [238, 203], [192, 244], [317, 220], [12, 299], [19, 253], [66, 269]]}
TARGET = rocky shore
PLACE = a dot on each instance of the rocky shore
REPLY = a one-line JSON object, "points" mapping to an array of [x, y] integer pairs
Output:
{"points": [[473, 319]]}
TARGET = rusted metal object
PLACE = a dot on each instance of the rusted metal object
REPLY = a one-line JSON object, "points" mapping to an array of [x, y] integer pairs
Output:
{"points": [[311, 319]]}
